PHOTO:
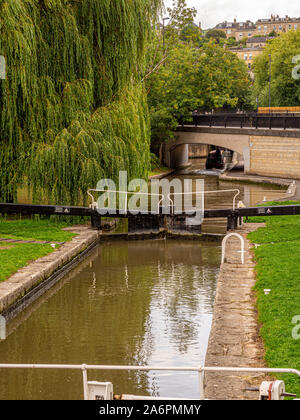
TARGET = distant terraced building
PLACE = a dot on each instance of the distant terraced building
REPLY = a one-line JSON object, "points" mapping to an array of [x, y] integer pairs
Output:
{"points": [[263, 27]]}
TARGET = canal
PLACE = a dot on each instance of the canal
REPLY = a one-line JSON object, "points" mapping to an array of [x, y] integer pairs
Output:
{"points": [[129, 303]]}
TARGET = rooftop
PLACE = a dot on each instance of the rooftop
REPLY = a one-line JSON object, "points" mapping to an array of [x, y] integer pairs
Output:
{"points": [[250, 25], [276, 18], [239, 25]]}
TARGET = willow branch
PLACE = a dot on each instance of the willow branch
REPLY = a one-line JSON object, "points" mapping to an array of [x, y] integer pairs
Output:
{"points": [[155, 68]]}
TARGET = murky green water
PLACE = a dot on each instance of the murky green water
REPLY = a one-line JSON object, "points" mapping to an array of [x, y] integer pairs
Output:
{"points": [[128, 303], [248, 194]]}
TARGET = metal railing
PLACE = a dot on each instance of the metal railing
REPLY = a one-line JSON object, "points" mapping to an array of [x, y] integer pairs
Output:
{"points": [[94, 204], [203, 193], [161, 197], [201, 370], [242, 251], [245, 121]]}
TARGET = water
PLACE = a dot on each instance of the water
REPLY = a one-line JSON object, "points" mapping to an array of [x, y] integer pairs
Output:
{"points": [[250, 194], [128, 303]]}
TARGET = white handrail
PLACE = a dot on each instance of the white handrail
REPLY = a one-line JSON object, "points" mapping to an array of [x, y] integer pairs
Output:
{"points": [[199, 369], [149, 368], [242, 246], [94, 203], [206, 192]]}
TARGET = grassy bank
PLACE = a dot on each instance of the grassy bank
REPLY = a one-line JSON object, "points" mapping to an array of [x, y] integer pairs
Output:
{"points": [[14, 256], [278, 268], [159, 170]]}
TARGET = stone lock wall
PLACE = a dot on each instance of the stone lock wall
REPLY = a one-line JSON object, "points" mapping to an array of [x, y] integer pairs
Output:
{"points": [[198, 150], [274, 156]]}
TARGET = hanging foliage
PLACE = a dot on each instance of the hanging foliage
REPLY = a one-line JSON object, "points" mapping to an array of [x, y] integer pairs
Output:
{"points": [[92, 147], [72, 109]]}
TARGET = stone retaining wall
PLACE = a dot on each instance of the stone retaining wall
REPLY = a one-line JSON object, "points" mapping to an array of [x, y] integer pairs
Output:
{"points": [[27, 278]]}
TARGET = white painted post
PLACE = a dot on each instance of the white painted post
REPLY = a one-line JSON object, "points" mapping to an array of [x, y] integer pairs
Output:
{"points": [[126, 201], [2, 328], [242, 246], [85, 383], [201, 383]]}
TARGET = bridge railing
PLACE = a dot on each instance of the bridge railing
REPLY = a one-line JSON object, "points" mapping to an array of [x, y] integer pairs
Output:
{"points": [[246, 121]]}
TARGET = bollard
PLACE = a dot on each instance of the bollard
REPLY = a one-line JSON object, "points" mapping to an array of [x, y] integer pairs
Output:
{"points": [[2, 328], [232, 222], [96, 221]]}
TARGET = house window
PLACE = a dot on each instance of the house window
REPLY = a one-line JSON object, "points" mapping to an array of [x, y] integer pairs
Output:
{"points": [[295, 26], [245, 56], [250, 56]]}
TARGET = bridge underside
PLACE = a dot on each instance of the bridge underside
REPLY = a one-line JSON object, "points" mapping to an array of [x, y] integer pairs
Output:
{"points": [[264, 152]]}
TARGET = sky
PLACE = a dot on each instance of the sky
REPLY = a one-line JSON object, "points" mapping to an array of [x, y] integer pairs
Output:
{"points": [[212, 12]]}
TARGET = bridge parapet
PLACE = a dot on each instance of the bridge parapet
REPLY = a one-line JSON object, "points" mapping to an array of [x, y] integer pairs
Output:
{"points": [[263, 151], [269, 121]]}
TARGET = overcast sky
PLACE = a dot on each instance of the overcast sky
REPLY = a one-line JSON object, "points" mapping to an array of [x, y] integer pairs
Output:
{"points": [[212, 12]]}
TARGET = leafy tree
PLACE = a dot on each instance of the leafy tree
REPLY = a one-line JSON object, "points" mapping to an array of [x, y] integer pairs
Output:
{"points": [[231, 42], [216, 34], [180, 15], [192, 72], [191, 33], [285, 89], [194, 78], [273, 34], [179, 28], [243, 41], [72, 107]]}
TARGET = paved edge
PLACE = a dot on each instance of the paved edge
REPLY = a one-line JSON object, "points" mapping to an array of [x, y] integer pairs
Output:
{"points": [[162, 175], [234, 338], [292, 192], [30, 277]]}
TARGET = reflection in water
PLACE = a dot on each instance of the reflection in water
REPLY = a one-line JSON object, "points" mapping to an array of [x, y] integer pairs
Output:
{"points": [[129, 303], [250, 194]]}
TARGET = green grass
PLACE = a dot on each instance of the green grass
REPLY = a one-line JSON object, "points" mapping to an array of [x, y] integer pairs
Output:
{"points": [[159, 170], [39, 229], [15, 256], [278, 269]]}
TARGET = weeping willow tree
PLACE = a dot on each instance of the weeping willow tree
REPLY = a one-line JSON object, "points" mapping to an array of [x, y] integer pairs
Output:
{"points": [[73, 109]]}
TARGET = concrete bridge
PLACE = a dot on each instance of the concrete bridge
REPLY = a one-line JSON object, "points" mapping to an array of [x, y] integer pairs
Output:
{"points": [[268, 152]]}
